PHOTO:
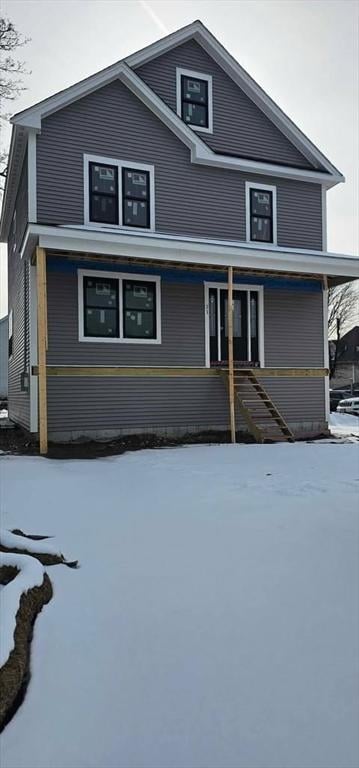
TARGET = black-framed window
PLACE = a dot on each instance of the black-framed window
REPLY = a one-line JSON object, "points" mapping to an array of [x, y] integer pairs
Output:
{"points": [[261, 215], [103, 193], [135, 198], [101, 307], [139, 309], [194, 101]]}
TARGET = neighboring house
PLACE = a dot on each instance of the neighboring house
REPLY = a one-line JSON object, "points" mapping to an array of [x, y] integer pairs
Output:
{"points": [[4, 353], [132, 199], [347, 359]]}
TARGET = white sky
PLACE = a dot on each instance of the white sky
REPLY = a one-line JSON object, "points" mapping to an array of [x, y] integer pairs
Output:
{"points": [[304, 53]]}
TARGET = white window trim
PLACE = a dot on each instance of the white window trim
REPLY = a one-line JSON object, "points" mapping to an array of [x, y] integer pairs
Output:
{"points": [[236, 287], [266, 188], [196, 76], [120, 276], [119, 165]]}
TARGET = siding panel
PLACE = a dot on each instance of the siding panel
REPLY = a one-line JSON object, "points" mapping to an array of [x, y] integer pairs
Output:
{"points": [[239, 126], [19, 402], [18, 291], [197, 201], [293, 333], [90, 404], [293, 337]]}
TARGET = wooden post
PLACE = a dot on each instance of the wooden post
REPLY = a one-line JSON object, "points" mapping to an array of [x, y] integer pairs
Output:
{"points": [[230, 356], [42, 345]]}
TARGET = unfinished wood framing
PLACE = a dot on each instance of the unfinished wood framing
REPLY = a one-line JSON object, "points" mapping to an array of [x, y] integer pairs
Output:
{"points": [[42, 345], [169, 372], [232, 415]]}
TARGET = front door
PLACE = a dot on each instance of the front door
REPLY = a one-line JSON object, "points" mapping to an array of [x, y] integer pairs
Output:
{"points": [[245, 326]]}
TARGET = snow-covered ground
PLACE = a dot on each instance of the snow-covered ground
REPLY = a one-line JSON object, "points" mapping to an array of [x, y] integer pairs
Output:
{"points": [[214, 620]]}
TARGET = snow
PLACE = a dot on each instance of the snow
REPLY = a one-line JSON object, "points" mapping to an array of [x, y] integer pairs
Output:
{"points": [[12, 540], [31, 574], [344, 424], [213, 620]]}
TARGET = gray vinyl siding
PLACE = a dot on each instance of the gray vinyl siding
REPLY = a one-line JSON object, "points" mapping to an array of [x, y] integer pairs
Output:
{"points": [[293, 329], [150, 404], [18, 293], [293, 337], [192, 200], [239, 126], [19, 401], [182, 308]]}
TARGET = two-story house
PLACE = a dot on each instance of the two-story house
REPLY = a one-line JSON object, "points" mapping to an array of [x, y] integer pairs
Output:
{"points": [[166, 230]]}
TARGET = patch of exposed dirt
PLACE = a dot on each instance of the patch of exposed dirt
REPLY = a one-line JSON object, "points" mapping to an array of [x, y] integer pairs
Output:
{"points": [[15, 673], [17, 441]]}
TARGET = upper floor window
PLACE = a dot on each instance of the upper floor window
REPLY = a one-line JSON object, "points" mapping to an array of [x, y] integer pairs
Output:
{"points": [[118, 193], [136, 198], [261, 213], [103, 193], [194, 99]]}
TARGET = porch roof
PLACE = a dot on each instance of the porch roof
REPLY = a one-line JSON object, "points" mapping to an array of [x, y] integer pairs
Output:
{"points": [[190, 253]]}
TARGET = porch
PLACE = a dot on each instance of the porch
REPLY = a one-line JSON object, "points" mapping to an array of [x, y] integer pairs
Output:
{"points": [[209, 321]]}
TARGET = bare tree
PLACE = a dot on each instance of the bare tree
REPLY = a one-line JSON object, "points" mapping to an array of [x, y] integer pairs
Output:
{"points": [[11, 69], [342, 305]]}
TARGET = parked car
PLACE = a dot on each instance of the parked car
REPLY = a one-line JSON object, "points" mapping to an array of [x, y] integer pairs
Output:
{"points": [[336, 395], [350, 405]]}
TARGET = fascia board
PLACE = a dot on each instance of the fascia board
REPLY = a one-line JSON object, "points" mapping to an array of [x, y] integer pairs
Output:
{"points": [[188, 251]]}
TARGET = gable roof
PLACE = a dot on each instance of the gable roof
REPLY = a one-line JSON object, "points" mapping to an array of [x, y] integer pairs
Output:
{"points": [[124, 70]]}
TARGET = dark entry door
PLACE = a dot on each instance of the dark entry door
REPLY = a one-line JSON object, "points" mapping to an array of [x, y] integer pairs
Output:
{"points": [[240, 325], [245, 325]]}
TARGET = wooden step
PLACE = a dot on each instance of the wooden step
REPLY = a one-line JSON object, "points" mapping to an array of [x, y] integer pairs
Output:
{"points": [[262, 417]]}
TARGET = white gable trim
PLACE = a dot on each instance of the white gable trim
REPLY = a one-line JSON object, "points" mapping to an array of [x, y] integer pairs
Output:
{"points": [[31, 118], [200, 152], [211, 45]]}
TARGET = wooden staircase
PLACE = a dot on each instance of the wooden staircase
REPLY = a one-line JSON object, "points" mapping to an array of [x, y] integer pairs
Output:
{"points": [[263, 419]]}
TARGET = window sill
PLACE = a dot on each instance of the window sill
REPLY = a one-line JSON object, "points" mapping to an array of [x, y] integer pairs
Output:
{"points": [[103, 340]]}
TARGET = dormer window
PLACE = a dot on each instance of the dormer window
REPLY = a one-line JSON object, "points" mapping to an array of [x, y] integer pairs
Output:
{"points": [[118, 193], [194, 99]]}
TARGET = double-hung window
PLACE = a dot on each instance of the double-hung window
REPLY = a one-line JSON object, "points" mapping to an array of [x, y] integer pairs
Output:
{"points": [[139, 309], [119, 307], [103, 193], [194, 99], [118, 193], [136, 198], [100, 297], [261, 213]]}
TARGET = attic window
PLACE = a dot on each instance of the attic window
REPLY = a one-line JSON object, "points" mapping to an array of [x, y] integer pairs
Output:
{"points": [[194, 100]]}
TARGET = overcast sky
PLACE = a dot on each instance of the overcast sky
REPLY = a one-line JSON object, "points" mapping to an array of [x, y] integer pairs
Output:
{"points": [[304, 53]]}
